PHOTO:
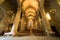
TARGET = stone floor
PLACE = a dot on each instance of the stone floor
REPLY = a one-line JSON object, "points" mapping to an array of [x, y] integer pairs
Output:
{"points": [[29, 38]]}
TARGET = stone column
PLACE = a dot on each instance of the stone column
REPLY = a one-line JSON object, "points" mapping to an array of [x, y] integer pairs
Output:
{"points": [[44, 19], [17, 18], [16, 22], [22, 24]]}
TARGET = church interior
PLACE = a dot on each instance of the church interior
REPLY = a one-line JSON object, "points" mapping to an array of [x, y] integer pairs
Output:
{"points": [[33, 19]]}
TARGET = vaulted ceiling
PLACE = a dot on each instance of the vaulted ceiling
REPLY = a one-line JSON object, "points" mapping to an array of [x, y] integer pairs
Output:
{"points": [[49, 5]]}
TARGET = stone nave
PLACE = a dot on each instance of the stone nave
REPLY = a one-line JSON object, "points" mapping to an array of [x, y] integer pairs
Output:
{"points": [[35, 19]]}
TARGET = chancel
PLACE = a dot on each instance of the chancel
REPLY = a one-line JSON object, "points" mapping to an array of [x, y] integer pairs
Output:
{"points": [[30, 19]]}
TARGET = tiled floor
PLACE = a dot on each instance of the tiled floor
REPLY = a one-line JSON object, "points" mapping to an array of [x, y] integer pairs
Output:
{"points": [[30, 38]]}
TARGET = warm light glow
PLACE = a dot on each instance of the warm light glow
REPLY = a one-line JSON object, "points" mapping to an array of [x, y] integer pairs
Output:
{"points": [[30, 17], [30, 22], [20, 0], [31, 14], [48, 16], [52, 11], [1, 1], [58, 2], [39, 20], [30, 11], [33, 3]]}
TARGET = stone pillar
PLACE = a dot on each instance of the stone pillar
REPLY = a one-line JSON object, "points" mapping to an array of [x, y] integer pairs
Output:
{"points": [[44, 19], [22, 24], [16, 22]]}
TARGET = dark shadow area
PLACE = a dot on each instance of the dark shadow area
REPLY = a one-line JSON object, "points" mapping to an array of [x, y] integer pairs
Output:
{"points": [[55, 30]]}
